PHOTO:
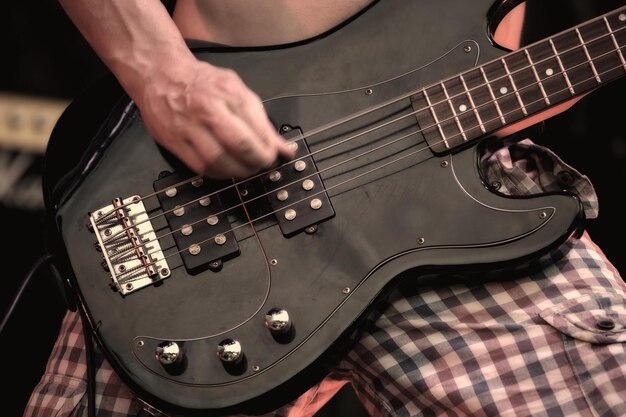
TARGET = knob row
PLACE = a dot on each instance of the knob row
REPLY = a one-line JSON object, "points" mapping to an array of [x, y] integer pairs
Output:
{"points": [[229, 351]]}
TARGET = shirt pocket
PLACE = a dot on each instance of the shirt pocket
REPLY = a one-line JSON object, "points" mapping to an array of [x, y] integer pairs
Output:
{"points": [[592, 318], [593, 332]]}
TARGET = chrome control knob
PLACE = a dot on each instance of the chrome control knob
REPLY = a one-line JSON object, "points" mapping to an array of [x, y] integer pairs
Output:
{"points": [[229, 351], [169, 353], [277, 321]]}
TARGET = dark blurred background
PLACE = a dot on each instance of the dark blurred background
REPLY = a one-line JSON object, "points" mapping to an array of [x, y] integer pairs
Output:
{"points": [[45, 63]]}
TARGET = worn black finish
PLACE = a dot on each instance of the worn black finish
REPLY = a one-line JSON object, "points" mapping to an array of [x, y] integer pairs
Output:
{"points": [[397, 206]]}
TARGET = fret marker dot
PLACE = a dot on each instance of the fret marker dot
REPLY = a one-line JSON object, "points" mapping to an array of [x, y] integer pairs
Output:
{"points": [[549, 71], [503, 90], [462, 107], [622, 17]]}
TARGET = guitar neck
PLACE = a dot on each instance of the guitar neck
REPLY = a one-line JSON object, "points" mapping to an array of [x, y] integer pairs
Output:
{"points": [[489, 97]]}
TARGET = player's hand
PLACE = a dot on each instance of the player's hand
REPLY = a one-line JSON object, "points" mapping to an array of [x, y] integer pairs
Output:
{"points": [[211, 121]]}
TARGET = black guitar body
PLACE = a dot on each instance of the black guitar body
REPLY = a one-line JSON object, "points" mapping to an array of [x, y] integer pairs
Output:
{"points": [[389, 205]]}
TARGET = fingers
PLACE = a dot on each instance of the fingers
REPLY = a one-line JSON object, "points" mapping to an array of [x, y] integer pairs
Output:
{"points": [[241, 127], [252, 112], [213, 123], [212, 159], [240, 136]]}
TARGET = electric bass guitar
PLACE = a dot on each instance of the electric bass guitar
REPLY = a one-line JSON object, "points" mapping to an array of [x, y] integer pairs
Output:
{"points": [[216, 297]]}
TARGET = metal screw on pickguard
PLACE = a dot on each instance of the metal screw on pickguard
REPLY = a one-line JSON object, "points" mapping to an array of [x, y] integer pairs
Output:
{"points": [[369, 92], [420, 240], [256, 368], [467, 48], [129, 287], [285, 128], [444, 164], [346, 290], [215, 265], [543, 215], [140, 343], [274, 262], [164, 272], [311, 229]]}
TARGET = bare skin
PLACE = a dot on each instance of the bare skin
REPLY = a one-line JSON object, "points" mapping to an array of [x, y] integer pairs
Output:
{"points": [[203, 114], [255, 23]]}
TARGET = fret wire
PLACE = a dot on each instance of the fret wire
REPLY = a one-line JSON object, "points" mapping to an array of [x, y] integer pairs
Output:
{"points": [[458, 122], [471, 100], [532, 65], [564, 74], [515, 90], [585, 80], [590, 61], [561, 66], [558, 59], [617, 47], [493, 96], [432, 111]]}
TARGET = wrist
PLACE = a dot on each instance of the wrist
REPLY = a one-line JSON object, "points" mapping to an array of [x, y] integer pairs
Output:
{"points": [[156, 73]]}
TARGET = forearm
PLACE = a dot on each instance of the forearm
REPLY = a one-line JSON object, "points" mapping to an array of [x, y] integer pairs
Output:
{"points": [[136, 39], [205, 115]]}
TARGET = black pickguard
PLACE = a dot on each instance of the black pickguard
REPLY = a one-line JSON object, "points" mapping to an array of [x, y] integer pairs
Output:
{"points": [[398, 207]]}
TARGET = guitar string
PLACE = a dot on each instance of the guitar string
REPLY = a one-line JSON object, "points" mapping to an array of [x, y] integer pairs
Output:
{"points": [[323, 128], [251, 222], [112, 238], [334, 166], [392, 121]]}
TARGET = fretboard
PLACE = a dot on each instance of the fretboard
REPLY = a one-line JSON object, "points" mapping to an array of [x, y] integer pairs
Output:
{"points": [[489, 97]]}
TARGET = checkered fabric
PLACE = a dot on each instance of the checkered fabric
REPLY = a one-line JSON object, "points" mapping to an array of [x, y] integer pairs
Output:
{"points": [[550, 344]]}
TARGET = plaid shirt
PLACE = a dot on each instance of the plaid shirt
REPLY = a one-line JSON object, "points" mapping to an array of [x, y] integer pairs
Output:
{"points": [[532, 346]]}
